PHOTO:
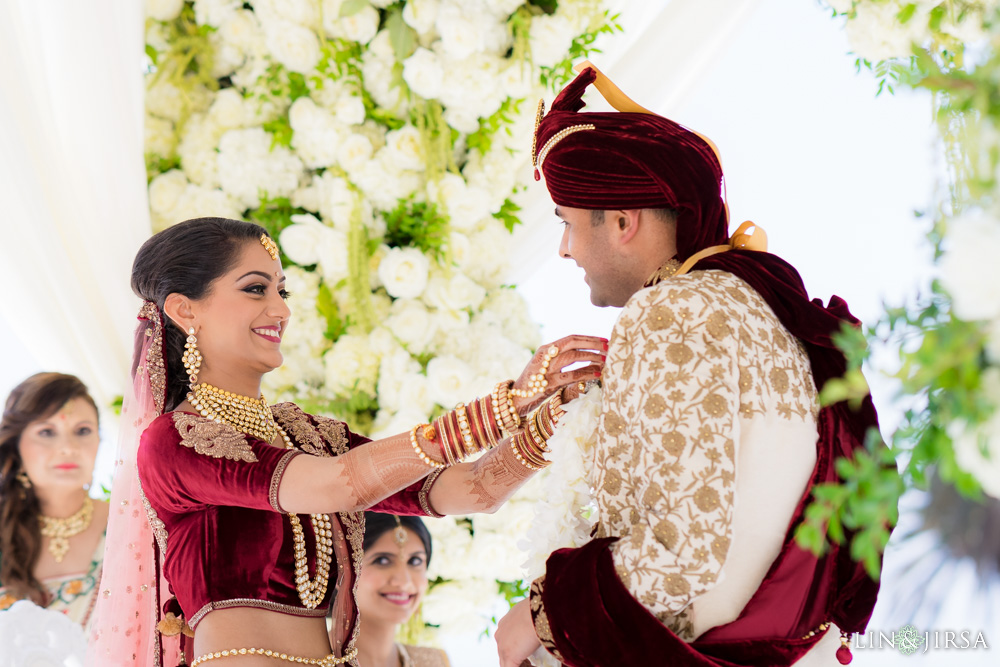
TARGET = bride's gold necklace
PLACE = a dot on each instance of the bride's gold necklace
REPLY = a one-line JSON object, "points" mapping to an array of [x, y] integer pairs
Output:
{"points": [[249, 415], [60, 530], [254, 417]]}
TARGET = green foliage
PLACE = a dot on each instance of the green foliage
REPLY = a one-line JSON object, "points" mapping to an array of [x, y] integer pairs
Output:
{"points": [[281, 131], [157, 164], [436, 137], [508, 214], [513, 591], [402, 37], [358, 409], [547, 6], [116, 404], [582, 47], [327, 307], [274, 215], [482, 139], [419, 224], [352, 7]]}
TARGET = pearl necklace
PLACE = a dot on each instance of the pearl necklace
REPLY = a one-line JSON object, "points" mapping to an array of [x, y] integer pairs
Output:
{"points": [[249, 415], [60, 530], [311, 591]]}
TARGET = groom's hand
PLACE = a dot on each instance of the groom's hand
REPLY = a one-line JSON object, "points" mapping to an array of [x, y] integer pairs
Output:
{"points": [[515, 635]]}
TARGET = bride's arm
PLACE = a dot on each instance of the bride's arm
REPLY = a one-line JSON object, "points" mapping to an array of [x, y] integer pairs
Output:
{"points": [[480, 486]]}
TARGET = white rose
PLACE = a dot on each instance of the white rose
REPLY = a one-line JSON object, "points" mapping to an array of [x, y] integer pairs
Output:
{"points": [[411, 322], [455, 293], [303, 12], [166, 190], [421, 14], [404, 272], [498, 554], [197, 150], [227, 110], [295, 47], [242, 30], [389, 423], [351, 366], [448, 379], [506, 309], [383, 182], [300, 241], [359, 27], [404, 148], [471, 83], [198, 202], [354, 152], [969, 268], [465, 204], [164, 10], [335, 200], [163, 99], [248, 166], [423, 73], [333, 255], [550, 37], [463, 119]]}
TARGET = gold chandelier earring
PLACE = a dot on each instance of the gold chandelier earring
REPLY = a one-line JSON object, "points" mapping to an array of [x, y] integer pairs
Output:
{"points": [[23, 478], [192, 357]]}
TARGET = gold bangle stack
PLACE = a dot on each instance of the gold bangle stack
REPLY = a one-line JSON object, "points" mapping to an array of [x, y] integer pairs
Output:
{"points": [[529, 444], [504, 412], [463, 432]]}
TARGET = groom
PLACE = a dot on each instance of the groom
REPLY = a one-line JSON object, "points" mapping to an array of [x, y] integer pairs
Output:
{"points": [[711, 436]]}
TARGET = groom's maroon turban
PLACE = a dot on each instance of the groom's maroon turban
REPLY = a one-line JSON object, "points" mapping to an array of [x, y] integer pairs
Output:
{"points": [[629, 160]]}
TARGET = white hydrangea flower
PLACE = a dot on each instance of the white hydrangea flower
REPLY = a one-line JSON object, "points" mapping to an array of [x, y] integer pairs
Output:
{"points": [[294, 46], [411, 323], [360, 26], [459, 605], [215, 12], [351, 366], [969, 268], [354, 152], [317, 134], [166, 190], [404, 149], [404, 272], [249, 166], [159, 136], [448, 379], [456, 292], [466, 205]]}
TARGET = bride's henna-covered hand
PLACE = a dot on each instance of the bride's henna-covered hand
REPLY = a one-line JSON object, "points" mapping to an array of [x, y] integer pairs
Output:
{"points": [[571, 350]]}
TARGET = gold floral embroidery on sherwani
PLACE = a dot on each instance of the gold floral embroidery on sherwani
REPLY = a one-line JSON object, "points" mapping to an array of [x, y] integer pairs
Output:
{"points": [[211, 438], [688, 358], [540, 619]]}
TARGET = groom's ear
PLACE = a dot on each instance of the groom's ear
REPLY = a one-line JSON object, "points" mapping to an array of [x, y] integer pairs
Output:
{"points": [[627, 224]]}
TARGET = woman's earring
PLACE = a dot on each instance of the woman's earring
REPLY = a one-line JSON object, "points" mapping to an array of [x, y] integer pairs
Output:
{"points": [[23, 478], [192, 357]]}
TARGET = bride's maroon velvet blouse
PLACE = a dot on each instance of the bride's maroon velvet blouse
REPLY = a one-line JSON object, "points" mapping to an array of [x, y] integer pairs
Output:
{"points": [[211, 495]]}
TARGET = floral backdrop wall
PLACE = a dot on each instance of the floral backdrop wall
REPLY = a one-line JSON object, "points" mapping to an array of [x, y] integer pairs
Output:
{"points": [[383, 144]]}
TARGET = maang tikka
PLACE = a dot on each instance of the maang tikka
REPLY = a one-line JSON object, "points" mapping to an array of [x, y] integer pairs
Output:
{"points": [[192, 357]]}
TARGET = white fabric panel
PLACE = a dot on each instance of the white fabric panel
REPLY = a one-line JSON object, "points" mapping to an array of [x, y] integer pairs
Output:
{"points": [[72, 181], [660, 59]]}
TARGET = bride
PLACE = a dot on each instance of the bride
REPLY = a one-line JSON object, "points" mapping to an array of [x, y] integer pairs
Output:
{"points": [[257, 510]]}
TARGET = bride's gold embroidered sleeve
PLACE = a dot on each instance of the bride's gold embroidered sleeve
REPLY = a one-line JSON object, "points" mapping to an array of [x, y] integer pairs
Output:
{"points": [[213, 439]]}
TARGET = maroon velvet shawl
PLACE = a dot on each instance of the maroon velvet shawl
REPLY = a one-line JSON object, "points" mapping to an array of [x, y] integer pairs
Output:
{"points": [[635, 160]]}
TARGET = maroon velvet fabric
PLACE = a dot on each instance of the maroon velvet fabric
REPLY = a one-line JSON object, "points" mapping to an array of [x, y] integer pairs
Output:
{"points": [[633, 160], [645, 161], [225, 541]]}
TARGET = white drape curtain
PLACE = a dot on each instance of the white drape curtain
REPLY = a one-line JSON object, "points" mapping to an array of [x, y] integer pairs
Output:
{"points": [[73, 206], [72, 181]]}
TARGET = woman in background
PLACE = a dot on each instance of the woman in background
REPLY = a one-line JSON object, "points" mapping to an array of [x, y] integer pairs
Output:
{"points": [[51, 531], [391, 586]]}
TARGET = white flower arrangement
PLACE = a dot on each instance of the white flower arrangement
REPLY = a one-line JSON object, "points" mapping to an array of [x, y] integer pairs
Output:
{"points": [[381, 143]]}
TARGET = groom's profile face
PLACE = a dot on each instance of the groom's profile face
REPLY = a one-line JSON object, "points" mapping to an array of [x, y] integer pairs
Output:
{"points": [[588, 240]]}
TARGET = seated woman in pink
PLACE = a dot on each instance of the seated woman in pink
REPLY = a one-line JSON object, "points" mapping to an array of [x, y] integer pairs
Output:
{"points": [[257, 510]]}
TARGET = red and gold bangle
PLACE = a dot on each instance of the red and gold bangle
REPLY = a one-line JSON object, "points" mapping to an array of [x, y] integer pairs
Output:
{"points": [[420, 452], [467, 442], [514, 443], [490, 426], [441, 424]]}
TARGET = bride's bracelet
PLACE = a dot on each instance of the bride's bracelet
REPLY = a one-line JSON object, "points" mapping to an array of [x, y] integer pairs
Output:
{"points": [[459, 433], [504, 412]]}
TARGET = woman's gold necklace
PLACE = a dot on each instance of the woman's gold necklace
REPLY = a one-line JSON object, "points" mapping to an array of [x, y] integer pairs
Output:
{"points": [[249, 415], [253, 417], [60, 530]]}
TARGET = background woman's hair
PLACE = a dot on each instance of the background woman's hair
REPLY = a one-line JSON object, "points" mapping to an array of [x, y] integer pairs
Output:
{"points": [[377, 525], [38, 397], [186, 258]]}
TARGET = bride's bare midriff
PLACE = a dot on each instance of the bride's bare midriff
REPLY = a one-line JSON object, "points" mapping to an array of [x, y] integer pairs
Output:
{"points": [[246, 627]]}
